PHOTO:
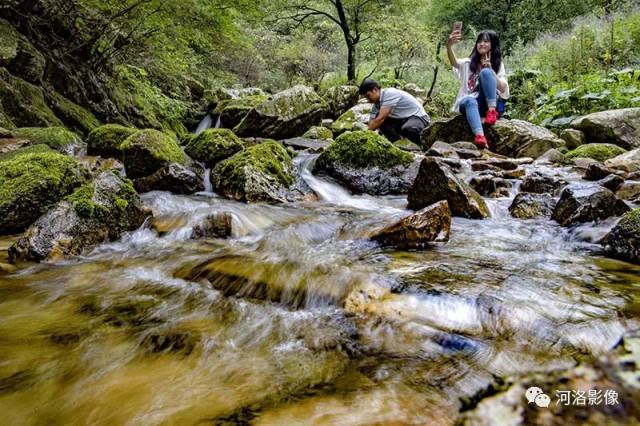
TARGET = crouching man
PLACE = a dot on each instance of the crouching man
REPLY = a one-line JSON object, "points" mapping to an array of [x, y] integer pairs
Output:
{"points": [[395, 112]]}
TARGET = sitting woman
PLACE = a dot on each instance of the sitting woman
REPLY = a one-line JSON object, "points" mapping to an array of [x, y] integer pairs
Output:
{"points": [[483, 80]]}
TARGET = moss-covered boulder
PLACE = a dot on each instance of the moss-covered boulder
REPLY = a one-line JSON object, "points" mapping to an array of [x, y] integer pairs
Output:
{"points": [[95, 212], [30, 184], [624, 239], [367, 162], [29, 149], [340, 99], [5, 121], [73, 115], [318, 132], [262, 172], [231, 112], [352, 119], [58, 138], [287, 114], [24, 103], [213, 145], [597, 151], [147, 151], [8, 42], [619, 127], [106, 140]]}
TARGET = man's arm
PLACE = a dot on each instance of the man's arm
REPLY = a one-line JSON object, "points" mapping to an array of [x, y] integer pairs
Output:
{"points": [[377, 122]]}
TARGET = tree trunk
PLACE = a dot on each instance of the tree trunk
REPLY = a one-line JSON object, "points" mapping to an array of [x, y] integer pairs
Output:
{"points": [[351, 62]]}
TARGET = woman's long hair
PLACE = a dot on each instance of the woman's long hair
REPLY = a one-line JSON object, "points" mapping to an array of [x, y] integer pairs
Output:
{"points": [[496, 54]]}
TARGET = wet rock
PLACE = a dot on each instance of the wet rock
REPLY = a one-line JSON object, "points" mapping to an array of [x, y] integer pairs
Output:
{"points": [[367, 162], [466, 154], [359, 114], [465, 145], [513, 138], [288, 114], [213, 145], [623, 241], [612, 182], [629, 161], [263, 172], [94, 213], [431, 224], [436, 182], [527, 205], [574, 138], [31, 183], [552, 156], [538, 183], [340, 99], [170, 341], [490, 186], [217, 225], [313, 145], [597, 151], [596, 172], [23, 103], [494, 163], [57, 138], [581, 203], [106, 140], [96, 165], [441, 149], [582, 163], [232, 112], [318, 132], [619, 127], [407, 145], [629, 190], [147, 151], [175, 178]]}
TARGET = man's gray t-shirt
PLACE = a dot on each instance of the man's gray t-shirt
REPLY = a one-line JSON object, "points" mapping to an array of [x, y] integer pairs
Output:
{"points": [[402, 104]]}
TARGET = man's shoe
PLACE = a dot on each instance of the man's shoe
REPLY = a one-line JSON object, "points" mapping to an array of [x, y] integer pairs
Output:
{"points": [[481, 142], [492, 116]]}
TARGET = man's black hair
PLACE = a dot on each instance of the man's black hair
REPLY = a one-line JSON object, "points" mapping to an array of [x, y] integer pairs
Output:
{"points": [[368, 84]]}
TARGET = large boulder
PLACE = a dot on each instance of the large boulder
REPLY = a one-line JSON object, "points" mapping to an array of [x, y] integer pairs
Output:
{"points": [[628, 161], [366, 162], [619, 127], [581, 203], [18, 55], [232, 111], [624, 239], [318, 132], [31, 183], [513, 138], [597, 151], [24, 103], [73, 115], [340, 99], [175, 178], [528, 206], [431, 224], [147, 151], [353, 119], [289, 113], [95, 212], [263, 172], [213, 145], [219, 94], [436, 182], [106, 140], [55, 137], [312, 145]]}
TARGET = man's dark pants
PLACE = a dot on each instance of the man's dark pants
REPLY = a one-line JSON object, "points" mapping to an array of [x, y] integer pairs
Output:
{"points": [[398, 128]]}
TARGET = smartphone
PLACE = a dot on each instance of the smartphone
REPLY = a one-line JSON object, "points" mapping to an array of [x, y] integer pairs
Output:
{"points": [[457, 26]]}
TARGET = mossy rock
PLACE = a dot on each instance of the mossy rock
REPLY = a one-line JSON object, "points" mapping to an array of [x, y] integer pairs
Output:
{"points": [[146, 151], [232, 112], [73, 115], [28, 63], [340, 99], [262, 172], [5, 121], [363, 149], [32, 183], [624, 239], [32, 149], [106, 140], [213, 146], [55, 137], [24, 103], [597, 151], [8, 41], [318, 132], [358, 114]]}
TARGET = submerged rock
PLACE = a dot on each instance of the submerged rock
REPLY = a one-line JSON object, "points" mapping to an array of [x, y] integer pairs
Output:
{"points": [[431, 224], [619, 127], [217, 225], [581, 203], [175, 178], [490, 186], [106, 140], [263, 172], [289, 113], [527, 205], [32, 182], [147, 151], [213, 145], [624, 239], [96, 212], [436, 182], [367, 162], [597, 151]]}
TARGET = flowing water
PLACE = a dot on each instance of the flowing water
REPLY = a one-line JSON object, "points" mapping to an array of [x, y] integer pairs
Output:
{"points": [[299, 318]]}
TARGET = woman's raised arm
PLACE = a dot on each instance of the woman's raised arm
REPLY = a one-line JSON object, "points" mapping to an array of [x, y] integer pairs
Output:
{"points": [[454, 37]]}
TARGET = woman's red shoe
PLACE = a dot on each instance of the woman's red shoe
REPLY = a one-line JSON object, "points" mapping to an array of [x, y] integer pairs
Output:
{"points": [[481, 142], [492, 116]]}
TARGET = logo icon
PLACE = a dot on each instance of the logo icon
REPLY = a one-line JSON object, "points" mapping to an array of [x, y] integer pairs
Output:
{"points": [[535, 394]]}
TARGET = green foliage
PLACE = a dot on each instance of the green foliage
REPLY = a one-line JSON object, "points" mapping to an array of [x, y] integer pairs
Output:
{"points": [[597, 151]]}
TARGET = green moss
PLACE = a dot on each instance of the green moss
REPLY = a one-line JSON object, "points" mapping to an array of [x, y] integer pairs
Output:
{"points": [[106, 140], [146, 151], [84, 201], [318, 132], [292, 102], [213, 146], [8, 40], [76, 117], [32, 149], [597, 151], [629, 224], [55, 137], [268, 157], [363, 149], [344, 122], [31, 184], [5, 121]]}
